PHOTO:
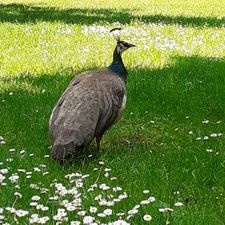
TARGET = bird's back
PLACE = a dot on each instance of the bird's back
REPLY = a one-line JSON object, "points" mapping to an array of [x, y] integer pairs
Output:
{"points": [[87, 108]]}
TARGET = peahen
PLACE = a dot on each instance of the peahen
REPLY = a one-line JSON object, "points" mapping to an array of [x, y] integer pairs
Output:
{"points": [[90, 105]]}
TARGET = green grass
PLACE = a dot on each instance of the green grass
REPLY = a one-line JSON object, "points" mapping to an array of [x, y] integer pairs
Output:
{"points": [[176, 81]]}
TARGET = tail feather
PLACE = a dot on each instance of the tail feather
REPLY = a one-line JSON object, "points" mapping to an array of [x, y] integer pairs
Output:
{"points": [[63, 152]]}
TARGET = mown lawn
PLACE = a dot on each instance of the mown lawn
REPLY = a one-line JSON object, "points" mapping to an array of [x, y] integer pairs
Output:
{"points": [[168, 149]]}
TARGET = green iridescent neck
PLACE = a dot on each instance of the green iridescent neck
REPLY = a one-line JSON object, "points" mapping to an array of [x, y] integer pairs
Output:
{"points": [[117, 65]]}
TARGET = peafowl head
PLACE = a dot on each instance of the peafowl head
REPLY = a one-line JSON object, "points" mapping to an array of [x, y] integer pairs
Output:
{"points": [[121, 45]]}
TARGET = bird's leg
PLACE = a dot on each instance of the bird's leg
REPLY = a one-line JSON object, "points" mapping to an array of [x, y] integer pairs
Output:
{"points": [[98, 139]]}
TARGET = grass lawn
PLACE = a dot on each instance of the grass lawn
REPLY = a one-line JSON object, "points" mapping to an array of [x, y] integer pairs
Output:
{"points": [[165, 158]]}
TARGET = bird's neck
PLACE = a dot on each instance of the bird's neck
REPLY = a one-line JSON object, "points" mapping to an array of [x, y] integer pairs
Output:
{"points": [[117, 65]]}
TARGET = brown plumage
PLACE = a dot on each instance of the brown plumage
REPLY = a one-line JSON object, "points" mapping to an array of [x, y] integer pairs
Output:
{"points": [[90, 105]]}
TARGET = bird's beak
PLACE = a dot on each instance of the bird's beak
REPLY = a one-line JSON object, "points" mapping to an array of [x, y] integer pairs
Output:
{"points": [[131, 45]]}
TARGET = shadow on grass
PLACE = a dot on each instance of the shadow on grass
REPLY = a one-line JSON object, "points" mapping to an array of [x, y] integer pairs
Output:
{"points": [[24, 13], [190, 86]]}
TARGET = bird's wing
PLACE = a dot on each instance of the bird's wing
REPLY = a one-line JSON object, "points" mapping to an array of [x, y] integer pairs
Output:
{"points": [[76, 80], [111, 92], [75, 116], [57, 107]]}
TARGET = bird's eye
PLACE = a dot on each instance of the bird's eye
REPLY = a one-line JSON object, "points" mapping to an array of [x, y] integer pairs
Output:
{"points": [[122, 47]]}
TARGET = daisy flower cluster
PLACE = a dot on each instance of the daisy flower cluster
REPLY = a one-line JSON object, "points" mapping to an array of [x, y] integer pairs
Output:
{"points": [[56, 43], [67, 201], [208, 138]]}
